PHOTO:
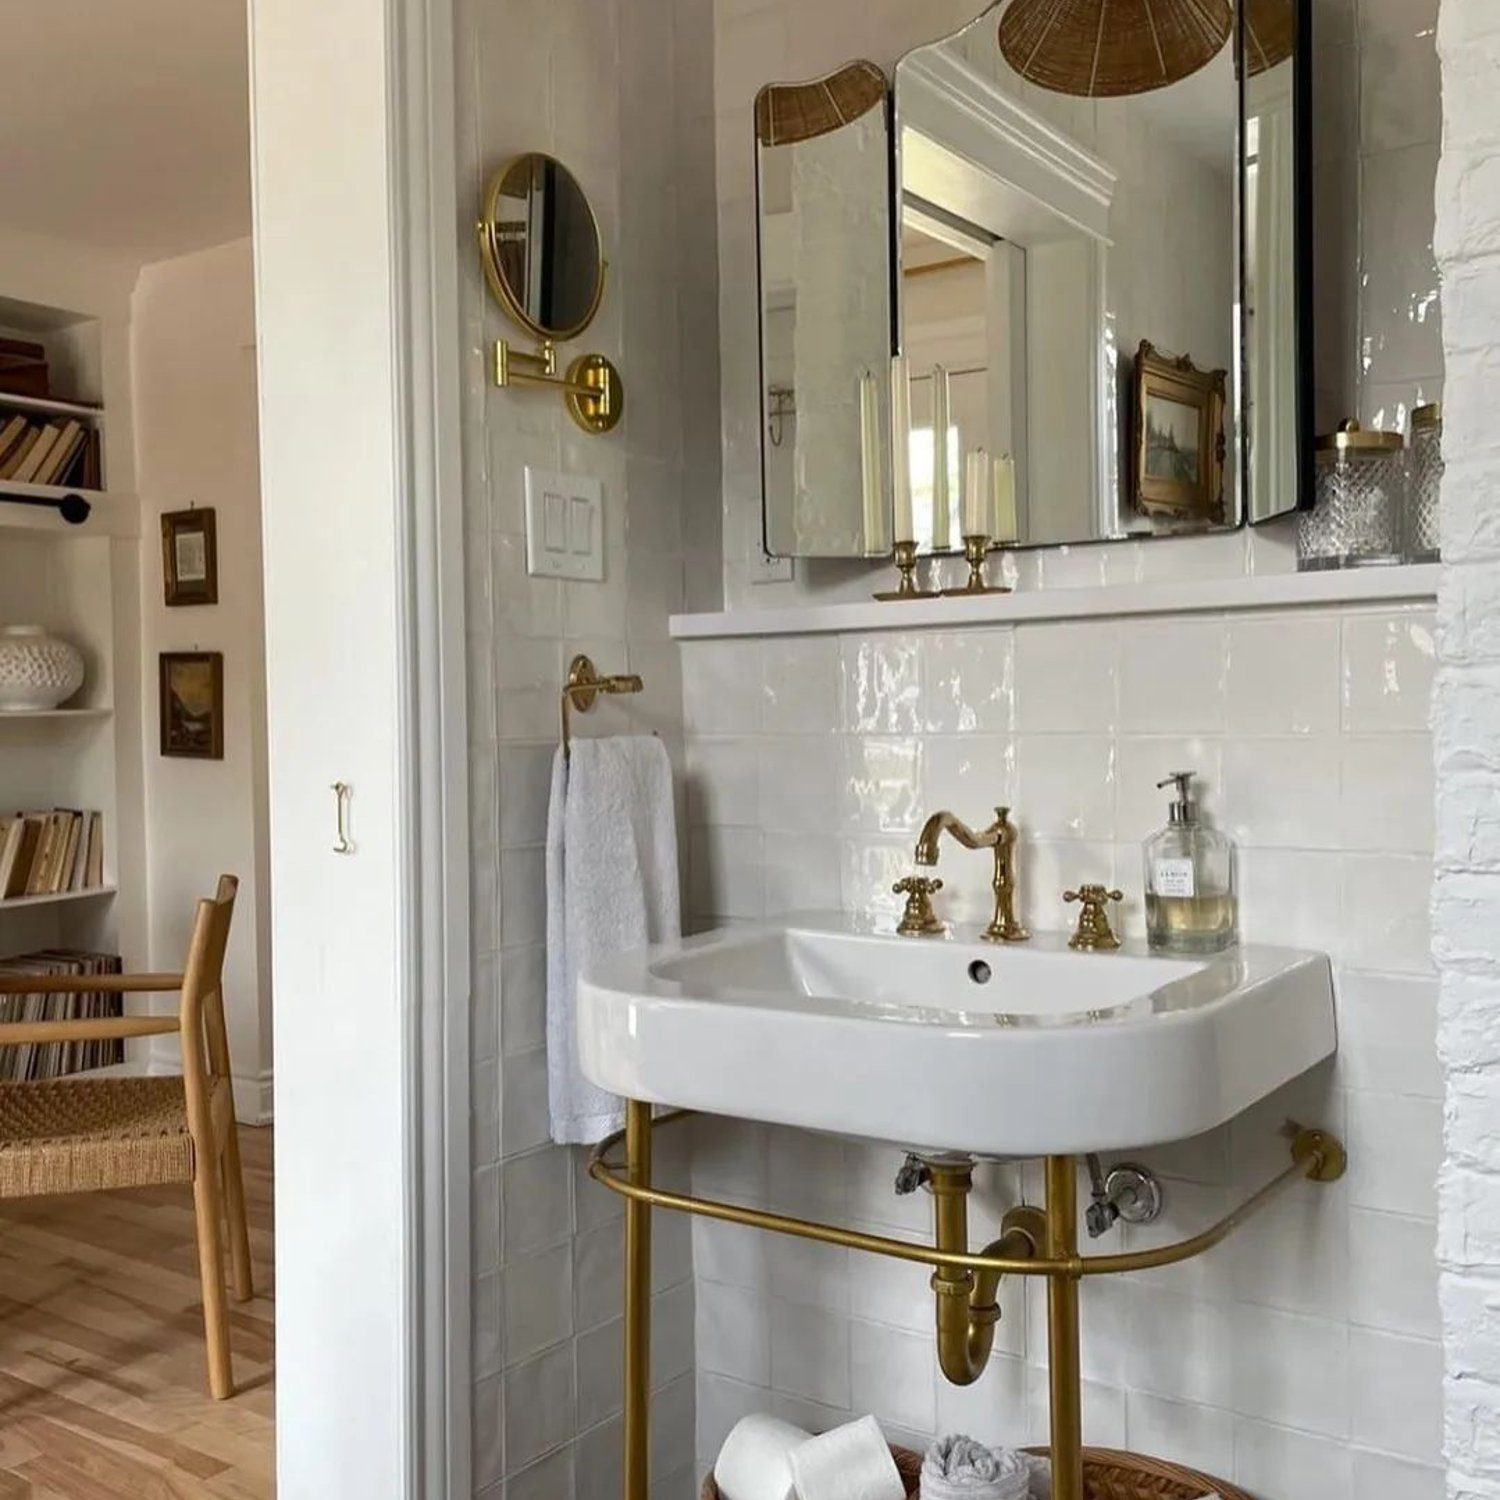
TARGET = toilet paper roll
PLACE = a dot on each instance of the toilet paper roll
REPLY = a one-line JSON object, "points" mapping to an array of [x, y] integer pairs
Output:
{"points": [[850, 1463], [754, 1463]]}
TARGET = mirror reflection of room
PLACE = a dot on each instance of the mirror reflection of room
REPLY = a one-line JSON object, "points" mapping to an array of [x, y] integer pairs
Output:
{"points": [[1071, 287]]}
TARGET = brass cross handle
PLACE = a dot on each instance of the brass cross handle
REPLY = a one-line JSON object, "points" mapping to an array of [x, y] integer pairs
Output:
{"points": [[918, 919], [1094, 934]]}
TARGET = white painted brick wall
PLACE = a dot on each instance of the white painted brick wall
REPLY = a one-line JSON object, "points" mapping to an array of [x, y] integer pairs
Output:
{"points": [[1466, 722]]}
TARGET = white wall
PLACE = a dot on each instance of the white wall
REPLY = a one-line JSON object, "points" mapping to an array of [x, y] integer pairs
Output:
{"points": [[1467, 727], [196, 434], [622, 94], [1302, 1358]]}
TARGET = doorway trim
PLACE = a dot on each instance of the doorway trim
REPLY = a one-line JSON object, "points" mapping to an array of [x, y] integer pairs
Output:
{"points": [[428, 361], [353, 168]]}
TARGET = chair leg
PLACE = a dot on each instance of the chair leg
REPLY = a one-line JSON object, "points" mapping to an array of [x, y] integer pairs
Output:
{"points": [[207, 1208], [239, 1229]]}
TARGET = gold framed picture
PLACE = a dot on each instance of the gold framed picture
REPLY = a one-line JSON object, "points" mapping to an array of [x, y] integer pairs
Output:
{"points": [[1178, 409], [190, 557], [192, 704]]}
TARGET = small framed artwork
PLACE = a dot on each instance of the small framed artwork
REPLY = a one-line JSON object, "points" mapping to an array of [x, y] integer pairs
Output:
{"points": [[1179, 438], [192, 704], [190, 557]]}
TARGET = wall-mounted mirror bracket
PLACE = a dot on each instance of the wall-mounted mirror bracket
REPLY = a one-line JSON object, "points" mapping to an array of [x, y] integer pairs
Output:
{"points": [[592, 388]]}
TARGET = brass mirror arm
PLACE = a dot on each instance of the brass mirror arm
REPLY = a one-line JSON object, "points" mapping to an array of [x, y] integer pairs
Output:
{"points": [[1316, 1155]]}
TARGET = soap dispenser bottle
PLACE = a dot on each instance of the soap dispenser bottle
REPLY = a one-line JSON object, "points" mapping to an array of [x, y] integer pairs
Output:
{"points": [[1191, 905]]}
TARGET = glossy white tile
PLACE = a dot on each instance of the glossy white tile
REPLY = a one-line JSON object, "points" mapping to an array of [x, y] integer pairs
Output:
{"points": [[1388, 666], [1065, 677], [1173, 676], [968, 681], [1283, 675]]}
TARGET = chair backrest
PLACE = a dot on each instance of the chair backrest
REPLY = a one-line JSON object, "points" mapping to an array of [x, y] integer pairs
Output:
{"points": [[205, 1040]]}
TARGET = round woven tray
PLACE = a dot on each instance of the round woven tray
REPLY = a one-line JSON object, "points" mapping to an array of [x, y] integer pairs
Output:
{"points": [[1108, 1474]]}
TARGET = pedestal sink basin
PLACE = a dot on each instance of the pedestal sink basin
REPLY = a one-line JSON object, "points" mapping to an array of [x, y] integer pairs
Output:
{"points": [[952, 1044]]}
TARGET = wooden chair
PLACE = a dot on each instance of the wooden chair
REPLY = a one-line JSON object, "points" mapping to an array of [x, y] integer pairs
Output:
{"points": [[83, 1134]]}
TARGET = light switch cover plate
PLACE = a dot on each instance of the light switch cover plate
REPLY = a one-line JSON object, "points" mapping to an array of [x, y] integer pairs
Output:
{"points": [[564, 525]]}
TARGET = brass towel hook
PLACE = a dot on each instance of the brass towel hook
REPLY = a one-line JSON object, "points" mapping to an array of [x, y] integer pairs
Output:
{"points": [[584, 685]]}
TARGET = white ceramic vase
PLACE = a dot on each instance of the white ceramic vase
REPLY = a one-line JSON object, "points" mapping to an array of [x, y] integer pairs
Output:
{"points": [[37, 670]]}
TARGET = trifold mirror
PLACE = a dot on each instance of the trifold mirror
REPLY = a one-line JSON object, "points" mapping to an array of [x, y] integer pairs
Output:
{"points": [[1074, 246]]}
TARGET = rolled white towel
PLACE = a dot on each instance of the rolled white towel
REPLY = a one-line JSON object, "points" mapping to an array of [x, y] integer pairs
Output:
{"points": [[958, 1468], [754, 1463], [852, 1462], [1041, 1476]]}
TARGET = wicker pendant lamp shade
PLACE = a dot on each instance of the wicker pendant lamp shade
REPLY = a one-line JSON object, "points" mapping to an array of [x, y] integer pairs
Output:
{"points": [[1270, 33], [1106, 48]]}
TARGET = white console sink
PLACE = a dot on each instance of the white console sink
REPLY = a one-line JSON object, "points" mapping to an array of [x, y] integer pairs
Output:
{"points": [[949, 1043]]}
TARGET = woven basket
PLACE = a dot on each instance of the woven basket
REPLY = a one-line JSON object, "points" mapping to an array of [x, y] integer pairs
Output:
{"points": [[1107, 1475]]}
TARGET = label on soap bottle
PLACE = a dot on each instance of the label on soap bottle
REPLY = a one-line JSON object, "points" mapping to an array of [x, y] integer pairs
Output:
{"points": [[1174, 877]]}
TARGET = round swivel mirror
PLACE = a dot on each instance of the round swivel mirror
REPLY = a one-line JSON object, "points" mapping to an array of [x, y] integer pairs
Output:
{"points": [[540, 244]]}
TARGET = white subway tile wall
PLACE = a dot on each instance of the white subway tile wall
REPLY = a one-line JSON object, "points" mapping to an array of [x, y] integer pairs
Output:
{"points": [[624, 96], [1302, 1353]]}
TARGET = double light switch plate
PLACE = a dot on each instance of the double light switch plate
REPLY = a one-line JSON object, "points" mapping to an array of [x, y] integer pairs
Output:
{"points": [[564, 525]]}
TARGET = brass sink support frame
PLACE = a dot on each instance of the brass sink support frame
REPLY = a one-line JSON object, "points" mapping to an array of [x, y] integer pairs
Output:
{"points": [[1032, 1243]]}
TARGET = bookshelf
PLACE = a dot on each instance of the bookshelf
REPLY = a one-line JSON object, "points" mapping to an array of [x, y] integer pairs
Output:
{"points": [[33, 903], [81, 582]]}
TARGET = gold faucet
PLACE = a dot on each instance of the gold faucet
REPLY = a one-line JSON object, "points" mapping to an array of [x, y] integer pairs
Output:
{"points": [[1000, 836]]}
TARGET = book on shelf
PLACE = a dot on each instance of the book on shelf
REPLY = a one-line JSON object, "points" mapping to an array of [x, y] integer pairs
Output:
{"points": [[36, 451], [19, 450], [50, 853], [36, 454], [70, 438], [36, 1060]]}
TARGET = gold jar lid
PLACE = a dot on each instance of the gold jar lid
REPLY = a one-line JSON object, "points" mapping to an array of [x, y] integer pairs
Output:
{"points": [[1352, 438], [1430, 415]]}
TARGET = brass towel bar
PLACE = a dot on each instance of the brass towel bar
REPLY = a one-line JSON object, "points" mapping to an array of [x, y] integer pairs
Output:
{"points": [[584, 685], [965, 1284], [1316, 1156]]}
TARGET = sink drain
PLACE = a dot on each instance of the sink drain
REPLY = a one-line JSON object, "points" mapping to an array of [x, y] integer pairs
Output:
{"points": [[979, 971]]}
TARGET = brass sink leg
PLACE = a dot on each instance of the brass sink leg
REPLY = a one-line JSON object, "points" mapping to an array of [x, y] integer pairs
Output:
{"points": [[968, 1301], [1062, 1331], [637, 1302]]}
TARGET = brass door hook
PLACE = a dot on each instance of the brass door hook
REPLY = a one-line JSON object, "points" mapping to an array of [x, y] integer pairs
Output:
{"points": [[341, 813]]}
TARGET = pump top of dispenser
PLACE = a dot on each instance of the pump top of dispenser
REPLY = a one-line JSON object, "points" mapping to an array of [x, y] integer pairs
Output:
{"points": [[1183, 808]]}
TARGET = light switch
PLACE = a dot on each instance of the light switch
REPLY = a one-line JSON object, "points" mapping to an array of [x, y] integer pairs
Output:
{"points": [[564, 525]]}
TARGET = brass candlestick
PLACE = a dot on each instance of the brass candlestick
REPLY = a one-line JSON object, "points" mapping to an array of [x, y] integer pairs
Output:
{"points": [[906, 565], [975, 548]]}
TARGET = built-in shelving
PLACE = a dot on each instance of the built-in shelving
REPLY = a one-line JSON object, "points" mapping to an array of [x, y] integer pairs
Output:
{"points": [[24, 903], [1410, 583], [48, 406], [111, 513], [59, 715]]}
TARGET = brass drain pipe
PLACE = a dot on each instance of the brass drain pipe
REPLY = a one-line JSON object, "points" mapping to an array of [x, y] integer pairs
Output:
{"points": [[968, 1305]]}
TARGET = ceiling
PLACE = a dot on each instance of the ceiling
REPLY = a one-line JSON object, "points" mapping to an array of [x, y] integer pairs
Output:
{"points": [[125, 124]]}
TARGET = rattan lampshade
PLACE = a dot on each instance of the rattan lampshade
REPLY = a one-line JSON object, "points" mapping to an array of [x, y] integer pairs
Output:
{"points": [[790, 112], [1106, 48], [1270, 33]]}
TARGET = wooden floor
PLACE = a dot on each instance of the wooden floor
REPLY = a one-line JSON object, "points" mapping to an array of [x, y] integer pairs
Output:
{"points": [[103, 1386]]}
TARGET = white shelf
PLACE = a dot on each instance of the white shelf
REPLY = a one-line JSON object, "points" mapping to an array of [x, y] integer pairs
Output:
{"points": [[31, 715], [1405, 584], [26, 903], [48, 407], [113, 514]]}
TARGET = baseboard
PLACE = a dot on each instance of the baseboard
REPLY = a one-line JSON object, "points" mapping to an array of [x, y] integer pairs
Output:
{"points": [[254, 1100], [253, 1097]]}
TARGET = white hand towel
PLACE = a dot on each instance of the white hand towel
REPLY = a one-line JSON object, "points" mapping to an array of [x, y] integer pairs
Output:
{"points": [[611, 886], [958, 1468], [852, 1462], [754, 1463]]}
